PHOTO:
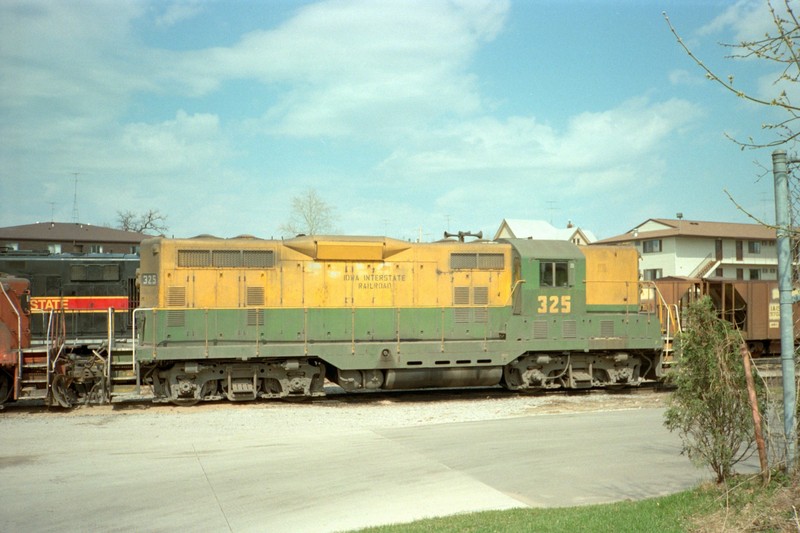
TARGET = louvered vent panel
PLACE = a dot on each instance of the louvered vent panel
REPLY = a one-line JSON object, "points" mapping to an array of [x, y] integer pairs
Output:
{"points": [[110, 272], [606, 328], [491, 261], [540, 329], [194, 258], [255, 296], [477, 261], [463, 315], [463, 261], [176, 296], [255, 317], [176, 319], [78, 273], [481, 296], [258, 258], [481, 315], [94, 273], [227, 258], [460, 295], [569, 329]]}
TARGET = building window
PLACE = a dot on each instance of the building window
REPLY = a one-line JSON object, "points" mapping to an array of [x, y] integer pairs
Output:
{"points": [[651, 246], [95, 248], [755, 273], [754, 247], [54, 248], [11, 246], [652, 273], [719, 273]]}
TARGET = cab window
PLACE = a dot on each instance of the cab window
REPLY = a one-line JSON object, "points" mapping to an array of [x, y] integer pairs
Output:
{"points": [[554, 274]]}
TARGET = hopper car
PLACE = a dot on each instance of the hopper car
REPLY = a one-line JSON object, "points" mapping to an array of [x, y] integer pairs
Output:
{"points": [[751, 306]]}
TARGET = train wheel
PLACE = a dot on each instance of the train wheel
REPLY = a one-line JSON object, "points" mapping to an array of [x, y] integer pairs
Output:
{"points": [[61, 392], [6, 384]]}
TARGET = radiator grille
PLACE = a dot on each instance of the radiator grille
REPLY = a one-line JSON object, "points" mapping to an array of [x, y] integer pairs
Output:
{"points": [[606, 328], [194, 258], [475, 261], [569, 329], [255, 317], [540, 329], [460, 295], [226, 258], [480, 296], [176, 297], [255, 296], [462, 315]]}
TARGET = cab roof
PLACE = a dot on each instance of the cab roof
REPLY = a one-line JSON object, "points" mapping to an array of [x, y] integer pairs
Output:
{"points": [[541, 249]]}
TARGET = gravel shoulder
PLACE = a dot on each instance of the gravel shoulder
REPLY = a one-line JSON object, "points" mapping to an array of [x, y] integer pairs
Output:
{"points": [[371, 410]]}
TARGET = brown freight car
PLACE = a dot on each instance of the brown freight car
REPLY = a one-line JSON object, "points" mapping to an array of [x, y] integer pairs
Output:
{"points": [[752, 306]]}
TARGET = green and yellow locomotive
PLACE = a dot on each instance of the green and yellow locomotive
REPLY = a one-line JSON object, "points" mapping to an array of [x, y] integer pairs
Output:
{"points": [[247, 318]]}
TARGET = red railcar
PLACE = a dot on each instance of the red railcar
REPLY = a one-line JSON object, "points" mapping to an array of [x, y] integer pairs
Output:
{"points": [[15, 332]]}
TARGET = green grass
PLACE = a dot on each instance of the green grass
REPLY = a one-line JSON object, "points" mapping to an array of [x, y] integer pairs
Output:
{"points": [[744, 503], [666, 514]]}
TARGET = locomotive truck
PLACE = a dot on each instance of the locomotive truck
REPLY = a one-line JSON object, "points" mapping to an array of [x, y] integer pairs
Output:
{"points": [[245, 318]]}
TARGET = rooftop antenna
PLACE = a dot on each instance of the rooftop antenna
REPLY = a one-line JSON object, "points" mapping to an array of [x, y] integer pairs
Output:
{"points": [[551, 208], [75, 200], [52, 210]]}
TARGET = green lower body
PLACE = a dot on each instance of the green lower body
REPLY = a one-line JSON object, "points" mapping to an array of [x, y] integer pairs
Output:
{"points": [[246, 354]]}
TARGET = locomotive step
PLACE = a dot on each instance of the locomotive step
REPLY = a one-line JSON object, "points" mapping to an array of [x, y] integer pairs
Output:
{"points": [[34, 380], [32, 392]]}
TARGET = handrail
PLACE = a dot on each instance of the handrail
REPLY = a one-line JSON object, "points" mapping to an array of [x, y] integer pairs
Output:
{"points": [[669, 323], [110, 327], [705, 264], [134, 360]]}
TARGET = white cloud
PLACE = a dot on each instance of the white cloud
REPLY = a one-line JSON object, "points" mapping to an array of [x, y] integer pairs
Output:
{"points": [[185, 144], [91, 97], [178, 12], [347, 66], [522, 146], [685, 77], [748, 19]]}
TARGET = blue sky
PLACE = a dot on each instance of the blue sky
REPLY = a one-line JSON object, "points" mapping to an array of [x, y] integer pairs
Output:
{"points": [[409, 118]]}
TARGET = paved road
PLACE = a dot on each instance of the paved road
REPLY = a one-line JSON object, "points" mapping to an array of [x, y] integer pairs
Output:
{"points": [[232, 470]]}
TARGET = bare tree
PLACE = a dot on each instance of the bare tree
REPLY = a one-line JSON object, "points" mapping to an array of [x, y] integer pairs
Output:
{"points": [[311, 215], [151, 221], [781, 47]]}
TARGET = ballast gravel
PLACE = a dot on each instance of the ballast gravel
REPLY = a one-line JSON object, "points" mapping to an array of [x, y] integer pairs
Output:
{"points": [[367, 410]]}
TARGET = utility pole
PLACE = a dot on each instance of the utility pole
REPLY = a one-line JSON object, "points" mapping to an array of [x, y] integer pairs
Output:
{"points": [[75, 217], [783, 222]]}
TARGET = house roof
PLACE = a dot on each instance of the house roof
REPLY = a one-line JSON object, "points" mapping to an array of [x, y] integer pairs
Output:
{"points": [[68, 231], [539, 229], [655, 228]]}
